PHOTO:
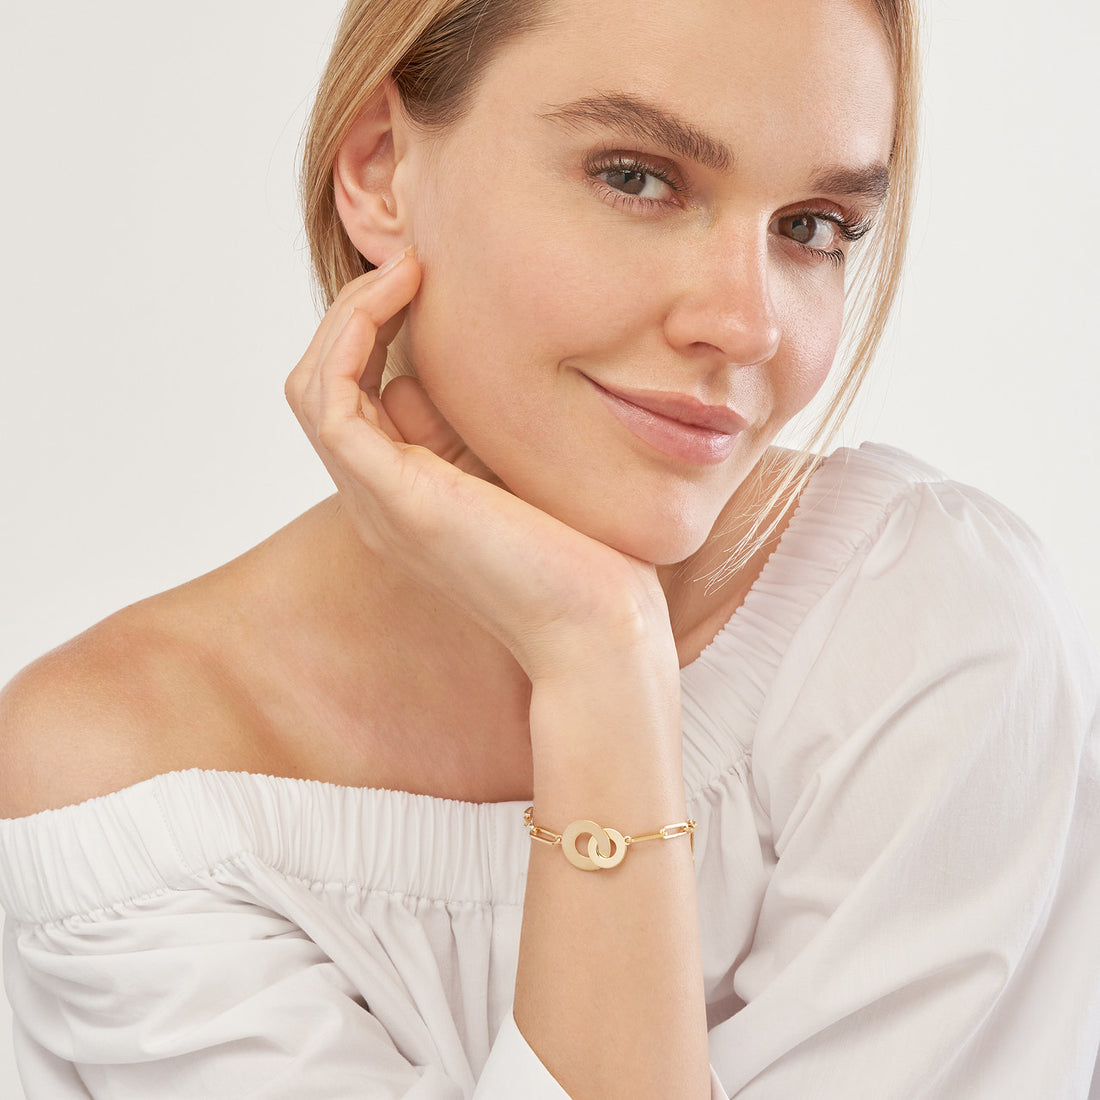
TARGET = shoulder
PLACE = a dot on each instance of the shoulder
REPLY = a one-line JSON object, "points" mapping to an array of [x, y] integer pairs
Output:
{"points": [[136, 695], [919, 578], [936, 634], [931, 539]]}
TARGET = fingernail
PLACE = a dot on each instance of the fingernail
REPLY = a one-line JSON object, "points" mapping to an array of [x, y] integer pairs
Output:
{"points": [[392, 262]]}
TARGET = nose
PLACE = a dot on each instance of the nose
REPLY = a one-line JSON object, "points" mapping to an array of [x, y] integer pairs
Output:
{"points": [[725, 304]]}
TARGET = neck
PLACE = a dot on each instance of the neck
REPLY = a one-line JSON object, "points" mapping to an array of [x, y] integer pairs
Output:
{"points": [[365, 668], [372, 596], [360, 595]]}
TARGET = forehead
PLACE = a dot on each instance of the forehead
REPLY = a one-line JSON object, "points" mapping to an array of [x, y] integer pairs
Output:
{"points": [[811, 75]]}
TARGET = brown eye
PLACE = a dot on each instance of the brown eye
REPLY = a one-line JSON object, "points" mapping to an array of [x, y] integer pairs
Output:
{"points": [[809, 230], [629, 182], [635, 181], [802, 228]]}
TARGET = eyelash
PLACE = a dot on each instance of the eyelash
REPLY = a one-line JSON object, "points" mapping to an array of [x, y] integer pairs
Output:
{"points": [[850, 229], [606, 161]]}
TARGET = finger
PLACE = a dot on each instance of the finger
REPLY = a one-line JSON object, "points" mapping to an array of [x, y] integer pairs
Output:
{"points": [[323, 336], [381, 293], [370, 381], [347, 428], [339, 308], [415, 416], [385, 423], [382, 298]]}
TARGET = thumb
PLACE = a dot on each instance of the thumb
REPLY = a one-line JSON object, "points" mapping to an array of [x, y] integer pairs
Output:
{"points": [[419, 422]]}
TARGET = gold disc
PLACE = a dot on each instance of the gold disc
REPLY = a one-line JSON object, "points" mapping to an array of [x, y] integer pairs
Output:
{"points": [[614, 855], [573, 832], [606, 847]]}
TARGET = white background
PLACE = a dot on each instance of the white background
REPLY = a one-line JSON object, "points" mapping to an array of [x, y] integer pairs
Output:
{"points": [[154, 292]]}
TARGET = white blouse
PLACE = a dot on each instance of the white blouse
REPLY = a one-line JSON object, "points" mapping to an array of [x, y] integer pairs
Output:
{"points": [[893, 756]]}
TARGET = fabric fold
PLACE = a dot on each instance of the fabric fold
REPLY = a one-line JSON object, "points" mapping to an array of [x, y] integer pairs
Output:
{"points": [[890, 751]]}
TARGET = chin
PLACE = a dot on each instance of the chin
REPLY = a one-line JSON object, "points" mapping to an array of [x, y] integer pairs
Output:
{"points": [[660, 528], [651, 534], [668, 549]]}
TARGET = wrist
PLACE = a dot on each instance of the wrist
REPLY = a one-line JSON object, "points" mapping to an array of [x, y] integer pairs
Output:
{"points": [[633, 645], [590, 846], [617, 627], [598, 699], [607, 745]]}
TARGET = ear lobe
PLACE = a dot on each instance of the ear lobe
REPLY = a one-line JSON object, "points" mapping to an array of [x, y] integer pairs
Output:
{"points": [[363, 174]]}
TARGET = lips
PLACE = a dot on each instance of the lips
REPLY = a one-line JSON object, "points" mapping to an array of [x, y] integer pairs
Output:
{"points": [[676, 424], [680, 407]]}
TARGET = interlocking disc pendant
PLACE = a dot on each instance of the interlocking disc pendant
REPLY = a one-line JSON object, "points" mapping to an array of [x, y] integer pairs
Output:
{"points": [[606, 847]]}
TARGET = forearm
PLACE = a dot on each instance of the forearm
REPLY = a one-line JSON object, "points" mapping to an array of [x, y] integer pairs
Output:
{"points": [[609, 990]]}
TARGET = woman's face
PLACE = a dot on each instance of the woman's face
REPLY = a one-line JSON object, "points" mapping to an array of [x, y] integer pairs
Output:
{"points": [[645, 211]]}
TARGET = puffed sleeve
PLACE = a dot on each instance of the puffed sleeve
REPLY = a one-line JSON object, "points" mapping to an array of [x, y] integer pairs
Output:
{"points": [[927, 764], [199, 996], [149, 956], [193, 994], [511, 1061]]}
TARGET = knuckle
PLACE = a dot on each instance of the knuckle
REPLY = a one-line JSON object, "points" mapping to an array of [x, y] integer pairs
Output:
{"points": [[294, 387], [332, 432], [351, 288], [346, 291]]}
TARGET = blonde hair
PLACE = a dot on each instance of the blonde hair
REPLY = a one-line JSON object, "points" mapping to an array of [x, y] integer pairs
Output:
{"points": [[437, 49], [871, 293]]}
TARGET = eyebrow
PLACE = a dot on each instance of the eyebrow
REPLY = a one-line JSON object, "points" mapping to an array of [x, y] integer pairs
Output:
{"points": [[645, 120], [872, 182], [634, 115]]}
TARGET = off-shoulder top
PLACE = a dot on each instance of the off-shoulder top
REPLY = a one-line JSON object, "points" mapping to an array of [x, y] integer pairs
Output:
{"points": [[892, 752]]}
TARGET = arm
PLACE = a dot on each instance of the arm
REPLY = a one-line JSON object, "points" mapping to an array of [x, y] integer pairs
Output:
{"points": [[590, 628], [194, 977], [150, 939], [927, 761], [609, 991]]}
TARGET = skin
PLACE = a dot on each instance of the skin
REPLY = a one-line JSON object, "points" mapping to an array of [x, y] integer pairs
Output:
{"points": [[494, 525], [558, 561], [558, 281]]}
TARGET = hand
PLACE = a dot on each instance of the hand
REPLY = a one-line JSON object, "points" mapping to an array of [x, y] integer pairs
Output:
{"points": [[418, 497]]}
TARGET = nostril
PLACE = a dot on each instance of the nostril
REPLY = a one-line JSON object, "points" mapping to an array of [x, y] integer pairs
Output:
{"points": [[742, 332]]}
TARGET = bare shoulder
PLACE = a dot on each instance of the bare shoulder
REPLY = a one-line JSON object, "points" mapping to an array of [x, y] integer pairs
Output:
{"points": [[133, 697]]}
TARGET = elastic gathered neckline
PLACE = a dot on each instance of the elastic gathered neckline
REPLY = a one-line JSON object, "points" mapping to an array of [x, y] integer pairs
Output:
{"points": [[176, 829]]}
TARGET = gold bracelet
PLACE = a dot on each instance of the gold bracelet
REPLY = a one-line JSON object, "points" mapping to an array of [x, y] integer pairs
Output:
{"points": [[606, 847]]}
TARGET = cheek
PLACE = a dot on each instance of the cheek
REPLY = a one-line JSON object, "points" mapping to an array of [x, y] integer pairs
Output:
{"points": [[510, 289], [809, 349]]}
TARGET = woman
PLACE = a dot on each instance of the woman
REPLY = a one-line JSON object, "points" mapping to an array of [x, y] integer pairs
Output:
{"points": [[862, 861]]}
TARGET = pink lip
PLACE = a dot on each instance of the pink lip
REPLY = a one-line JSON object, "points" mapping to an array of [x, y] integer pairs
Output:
{"points": [[676, 424]]}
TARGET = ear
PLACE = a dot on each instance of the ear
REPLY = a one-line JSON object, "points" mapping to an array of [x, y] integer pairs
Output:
{"points": [[364, 174]]}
